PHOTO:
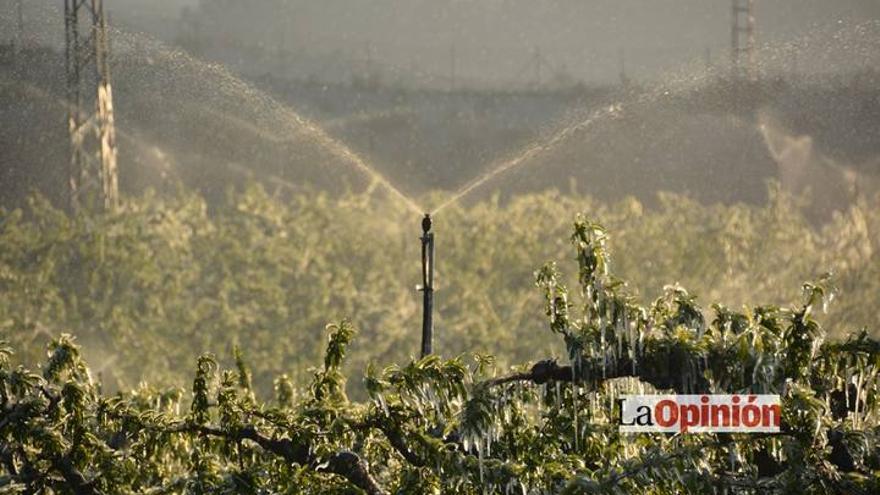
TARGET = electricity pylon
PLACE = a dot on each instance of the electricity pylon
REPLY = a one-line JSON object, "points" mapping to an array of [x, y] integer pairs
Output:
{"points": [[743, 39], [93, 173]]}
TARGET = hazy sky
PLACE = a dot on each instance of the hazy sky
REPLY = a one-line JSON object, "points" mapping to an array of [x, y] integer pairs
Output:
{"points": [[494, 39]]}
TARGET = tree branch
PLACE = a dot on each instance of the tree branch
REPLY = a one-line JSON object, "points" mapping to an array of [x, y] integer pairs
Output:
{"points": [[73, 477], [395, 436], [593, 373], [344, 463]]}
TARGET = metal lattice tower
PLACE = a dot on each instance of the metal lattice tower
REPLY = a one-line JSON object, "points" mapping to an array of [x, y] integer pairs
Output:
{"points": [[743, 39], [93, 175], [19, 32]]}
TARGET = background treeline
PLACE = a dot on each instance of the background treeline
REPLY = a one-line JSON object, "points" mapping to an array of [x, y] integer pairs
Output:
{"points": [[148, 289]]}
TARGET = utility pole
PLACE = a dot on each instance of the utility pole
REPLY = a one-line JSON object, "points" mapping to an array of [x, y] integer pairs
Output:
{"points": [[427, 287], [368, 70], [538, 61], [743, 39], [452, 67], [93, 173], [19, 36], [624, 77]]}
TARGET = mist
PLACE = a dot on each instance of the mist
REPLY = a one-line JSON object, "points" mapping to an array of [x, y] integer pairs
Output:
{"points": [[494, 41]]}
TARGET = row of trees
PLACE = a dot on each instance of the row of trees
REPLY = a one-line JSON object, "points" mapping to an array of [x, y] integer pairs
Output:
{"points": [[148, 289], [462, 425]]}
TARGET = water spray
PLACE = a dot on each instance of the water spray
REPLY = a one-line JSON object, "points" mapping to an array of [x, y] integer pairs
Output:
{"points": [[427, 287]]}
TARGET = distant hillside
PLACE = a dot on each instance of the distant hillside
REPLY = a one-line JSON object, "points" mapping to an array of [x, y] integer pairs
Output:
{"points": [[183, 120]]}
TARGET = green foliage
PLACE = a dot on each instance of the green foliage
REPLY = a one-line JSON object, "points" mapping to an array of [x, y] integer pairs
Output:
{"points": [[450, 427], [165, 280]]}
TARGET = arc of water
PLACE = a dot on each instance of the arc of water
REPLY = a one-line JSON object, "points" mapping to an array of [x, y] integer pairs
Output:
{"points": [[309, 128], [306, 126], [342, 151], [325, 139], [531, 151], [320, 136], [537, 148]]}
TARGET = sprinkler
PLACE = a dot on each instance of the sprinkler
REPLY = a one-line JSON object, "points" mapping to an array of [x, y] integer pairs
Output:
{"points": [[427, 287]]}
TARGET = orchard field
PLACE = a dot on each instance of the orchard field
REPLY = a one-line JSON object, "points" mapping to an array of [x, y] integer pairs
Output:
{"points": [[175, 348], [148, 289]]}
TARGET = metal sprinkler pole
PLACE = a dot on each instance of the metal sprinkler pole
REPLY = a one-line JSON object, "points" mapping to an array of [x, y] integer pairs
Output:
{"points": [[427, 286]]}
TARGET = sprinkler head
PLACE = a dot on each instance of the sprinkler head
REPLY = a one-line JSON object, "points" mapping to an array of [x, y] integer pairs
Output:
{"points": [[426, 223]]}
